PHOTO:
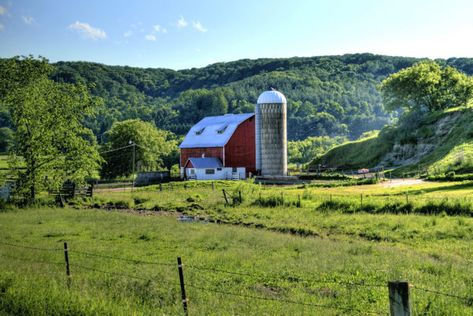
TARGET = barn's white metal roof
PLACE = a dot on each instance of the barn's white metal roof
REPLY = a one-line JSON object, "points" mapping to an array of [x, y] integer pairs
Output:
{"points": [[213, 131], [271, 96], [206, 162]]}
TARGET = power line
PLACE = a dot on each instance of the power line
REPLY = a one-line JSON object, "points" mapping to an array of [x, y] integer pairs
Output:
{"points": [[116, 149]]}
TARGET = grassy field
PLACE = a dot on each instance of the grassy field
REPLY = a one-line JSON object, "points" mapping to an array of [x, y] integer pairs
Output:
{"points": [[301, 257], [3, 161]]}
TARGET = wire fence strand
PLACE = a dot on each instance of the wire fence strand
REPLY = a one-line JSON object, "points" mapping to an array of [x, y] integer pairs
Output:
{"points": [[463, 298], [125, 275], [90, 254], [30, 247], [299, 278], [31, 260], [346, 309]]}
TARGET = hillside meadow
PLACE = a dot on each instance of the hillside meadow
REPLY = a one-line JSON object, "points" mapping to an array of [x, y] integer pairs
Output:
{"points": [[306, 255]]}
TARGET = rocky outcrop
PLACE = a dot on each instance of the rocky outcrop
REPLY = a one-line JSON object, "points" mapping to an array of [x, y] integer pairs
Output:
{"points": [[411, 153]]}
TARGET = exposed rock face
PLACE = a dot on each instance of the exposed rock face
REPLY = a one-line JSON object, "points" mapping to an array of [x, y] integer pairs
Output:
{"points": [[412, 153]]}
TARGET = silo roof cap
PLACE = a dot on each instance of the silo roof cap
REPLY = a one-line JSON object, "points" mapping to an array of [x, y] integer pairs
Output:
{"points": [[271, 96]]}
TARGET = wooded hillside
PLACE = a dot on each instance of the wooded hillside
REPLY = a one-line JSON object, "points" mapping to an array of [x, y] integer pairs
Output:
{"points": [[327, 96]]}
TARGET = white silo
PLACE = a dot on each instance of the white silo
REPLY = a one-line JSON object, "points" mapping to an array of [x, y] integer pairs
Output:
{"points": [[271, 134]]}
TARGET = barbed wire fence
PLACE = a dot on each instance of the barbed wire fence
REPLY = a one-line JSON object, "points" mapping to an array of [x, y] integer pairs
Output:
{"points": [[399, 300]]}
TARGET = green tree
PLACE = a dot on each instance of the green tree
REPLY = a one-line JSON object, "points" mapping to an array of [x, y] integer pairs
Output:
{"points": [[196, 104], [306, 150], [6, 139], [50, 139], [426, 85], [152, 148]]}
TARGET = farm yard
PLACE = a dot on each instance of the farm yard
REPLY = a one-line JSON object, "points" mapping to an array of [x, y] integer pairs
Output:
{"points": [[325, 248], [152, 168]]}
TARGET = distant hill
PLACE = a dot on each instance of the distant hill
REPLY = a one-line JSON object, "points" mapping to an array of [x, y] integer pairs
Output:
{"points": [[327, 96], [333, 95], [434, 144]]}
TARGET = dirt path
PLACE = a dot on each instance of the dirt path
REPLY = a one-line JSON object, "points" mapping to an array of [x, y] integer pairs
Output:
{"points": [[401, 182]]}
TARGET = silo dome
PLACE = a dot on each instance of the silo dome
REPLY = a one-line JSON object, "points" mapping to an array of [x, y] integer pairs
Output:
{"points": [[272, 96], [271, 134]]}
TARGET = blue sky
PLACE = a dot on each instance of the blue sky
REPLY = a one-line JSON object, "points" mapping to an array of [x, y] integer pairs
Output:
{"points": [[184, 34]]}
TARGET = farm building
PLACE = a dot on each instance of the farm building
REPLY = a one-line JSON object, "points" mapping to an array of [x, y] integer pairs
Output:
{"points": [[219, 147]]}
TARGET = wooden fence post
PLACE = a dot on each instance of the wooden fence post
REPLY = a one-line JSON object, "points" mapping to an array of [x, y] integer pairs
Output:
{"points": [[160, 187], [361, 199], [66, 258], [239, 196], [399, 298], [225, 196], [213, 186], [407, 198], [183, 288]]}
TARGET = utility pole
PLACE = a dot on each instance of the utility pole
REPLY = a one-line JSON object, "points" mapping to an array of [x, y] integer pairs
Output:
{"points": [[133, 175]]}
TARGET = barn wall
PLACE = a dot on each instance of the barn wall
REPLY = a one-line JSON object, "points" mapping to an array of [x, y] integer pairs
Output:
{"points": [[223, 174], [187, 153], [240, 150]]}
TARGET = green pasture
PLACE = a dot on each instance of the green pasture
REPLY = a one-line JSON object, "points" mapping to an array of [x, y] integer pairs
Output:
{"points": [[269, 269], [282, 250]]}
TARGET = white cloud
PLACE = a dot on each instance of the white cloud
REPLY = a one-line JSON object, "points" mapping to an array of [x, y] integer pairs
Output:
{"points": [[28, 19], [159, 29], [150, 37], [181, 22], [88, 31], [1, 27], [128, 33], [3, 10], [198, 26]]}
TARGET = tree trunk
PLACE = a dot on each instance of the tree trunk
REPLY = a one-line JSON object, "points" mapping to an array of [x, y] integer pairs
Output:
{"points": [[32, 192]]}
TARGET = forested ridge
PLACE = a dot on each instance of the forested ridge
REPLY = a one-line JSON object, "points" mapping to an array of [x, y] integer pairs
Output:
{"points": [[327, 96]]}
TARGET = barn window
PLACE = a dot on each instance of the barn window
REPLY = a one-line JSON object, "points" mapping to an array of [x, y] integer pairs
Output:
{"points": [[222, 129], [200, 131], [209, 171], [219, 169]]}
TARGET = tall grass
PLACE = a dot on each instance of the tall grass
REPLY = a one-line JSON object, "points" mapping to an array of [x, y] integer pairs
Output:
{"points": [[276, 267]]}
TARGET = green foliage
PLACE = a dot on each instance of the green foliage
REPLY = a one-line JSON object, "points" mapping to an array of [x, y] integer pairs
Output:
{"points": [[364, 153], [154, 148], [6, 139], [426, 85], [49, 135], [449, 132], [193, 105], [327, 96], [304, 151]]}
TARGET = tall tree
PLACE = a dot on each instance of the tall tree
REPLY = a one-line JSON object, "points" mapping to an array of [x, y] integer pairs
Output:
{"points": [[50, 139], [426, 85], [151, 147]]}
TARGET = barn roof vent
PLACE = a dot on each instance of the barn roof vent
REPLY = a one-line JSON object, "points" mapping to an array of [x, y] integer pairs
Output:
{"points": [[222, 129], [200, 131]]}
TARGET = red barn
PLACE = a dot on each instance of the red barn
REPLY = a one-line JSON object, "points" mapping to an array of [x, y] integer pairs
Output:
{"points": [[230, 138]]}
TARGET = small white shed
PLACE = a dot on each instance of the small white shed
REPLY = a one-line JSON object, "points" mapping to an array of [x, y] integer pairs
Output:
{"points": [[211, 169]]}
